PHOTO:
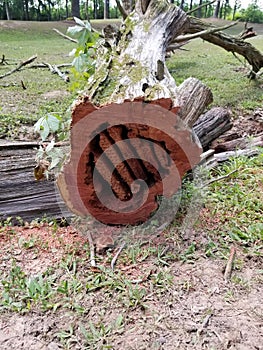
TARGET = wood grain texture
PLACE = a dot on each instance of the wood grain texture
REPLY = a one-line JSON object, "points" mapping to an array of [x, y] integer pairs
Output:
{"points": [[20, 194]]}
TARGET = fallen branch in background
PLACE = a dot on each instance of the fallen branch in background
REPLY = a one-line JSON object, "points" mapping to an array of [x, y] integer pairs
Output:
{"points": [[43, 65], [229, 43], [55, 70], [20, 65], [3, 61], [65, 36]]}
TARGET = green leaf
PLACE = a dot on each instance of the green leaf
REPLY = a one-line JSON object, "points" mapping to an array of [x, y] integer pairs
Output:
{"points": [[50, 146], [79, 21], [53, 122], [74, 30], [80, 63], [42, 127]]}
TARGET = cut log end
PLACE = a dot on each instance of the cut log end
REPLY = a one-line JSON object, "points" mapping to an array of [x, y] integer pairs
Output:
{"points": [[123, 157]]}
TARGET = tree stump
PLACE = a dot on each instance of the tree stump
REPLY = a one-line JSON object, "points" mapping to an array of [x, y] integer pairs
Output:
{"points": [[131, 133]]}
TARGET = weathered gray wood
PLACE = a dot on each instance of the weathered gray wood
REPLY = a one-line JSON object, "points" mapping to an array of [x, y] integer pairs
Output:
{"points": [[222, 157], [211, 160], [211, 125], [239, 143], [20, 194]]}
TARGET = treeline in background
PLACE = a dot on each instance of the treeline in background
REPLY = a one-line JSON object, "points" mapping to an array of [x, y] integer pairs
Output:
{"points": [[56, 10]]}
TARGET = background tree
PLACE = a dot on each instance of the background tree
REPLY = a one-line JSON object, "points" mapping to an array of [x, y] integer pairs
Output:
{"points": [[7, 12], [75, 8], [253, 13], [106, 9], [237, 5], [217, 9]]}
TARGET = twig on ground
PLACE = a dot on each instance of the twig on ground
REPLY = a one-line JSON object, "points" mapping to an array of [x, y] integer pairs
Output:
{"points": [[204, 324], [230, 264], [218, 336], [3, 60], [92, 249], [43, 65], [219, 178], [23, 85], [20, 65], [113, 261]]}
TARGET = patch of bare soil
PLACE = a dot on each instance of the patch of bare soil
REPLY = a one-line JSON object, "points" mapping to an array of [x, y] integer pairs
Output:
{"points": [[199, 310], [247, 124]]}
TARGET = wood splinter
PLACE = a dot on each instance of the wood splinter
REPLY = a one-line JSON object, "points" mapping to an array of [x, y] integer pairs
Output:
{"points": [[230, 264]]}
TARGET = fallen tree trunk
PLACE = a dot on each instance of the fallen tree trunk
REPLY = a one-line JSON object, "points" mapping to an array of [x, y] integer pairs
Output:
{"points": [[22, 196], [131, 135]]}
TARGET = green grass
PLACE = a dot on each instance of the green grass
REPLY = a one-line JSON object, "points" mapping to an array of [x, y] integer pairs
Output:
{"points": [[19, 41], [237, 202], [221, 72]]}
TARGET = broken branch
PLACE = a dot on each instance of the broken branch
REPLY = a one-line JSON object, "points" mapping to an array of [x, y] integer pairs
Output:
{"points": [[219, 178], [54, 69], [229, 43], [65, 36], [20, 65], [201, 6], [183, 38], [116, 256]]}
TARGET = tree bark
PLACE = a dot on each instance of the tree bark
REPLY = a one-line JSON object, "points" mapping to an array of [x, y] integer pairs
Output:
{"points": [[134, 117], [217, 9], [8, 17], [106, 9], [75, 9]]}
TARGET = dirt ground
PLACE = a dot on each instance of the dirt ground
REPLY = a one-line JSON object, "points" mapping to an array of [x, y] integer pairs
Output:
{"points": [[199, 310]]}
